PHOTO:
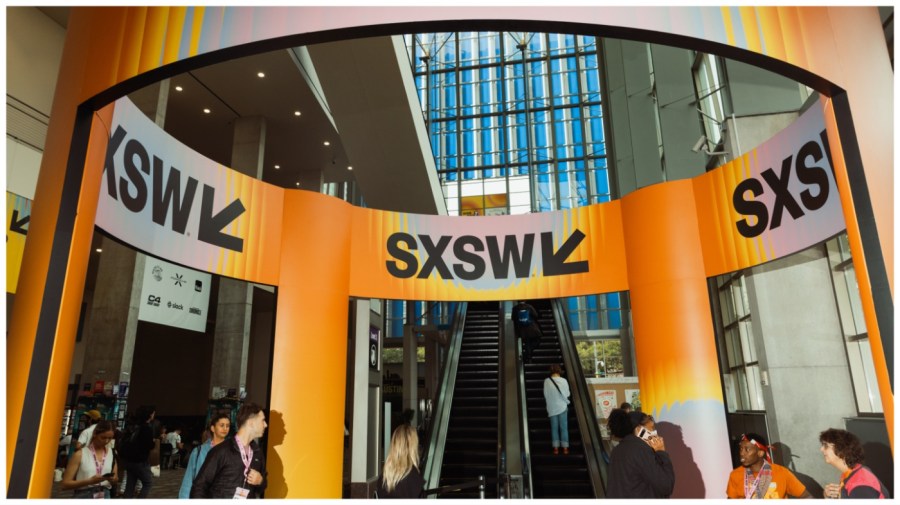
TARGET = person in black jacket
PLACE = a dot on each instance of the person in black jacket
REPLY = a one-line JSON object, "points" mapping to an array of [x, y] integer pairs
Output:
{"points": [[134, 452], [236, 468], [640, 467], [525, 325]]}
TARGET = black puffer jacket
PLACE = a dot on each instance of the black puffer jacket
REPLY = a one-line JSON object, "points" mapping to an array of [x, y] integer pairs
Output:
{"points": [[223, 472]]}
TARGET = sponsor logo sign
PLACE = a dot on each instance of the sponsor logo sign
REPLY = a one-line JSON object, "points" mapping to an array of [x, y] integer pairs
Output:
{"points": [[171, 296]]}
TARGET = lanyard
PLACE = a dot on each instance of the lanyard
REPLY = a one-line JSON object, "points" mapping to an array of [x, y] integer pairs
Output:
{"points": [[748, 490], [98, 464], [246, 456]]}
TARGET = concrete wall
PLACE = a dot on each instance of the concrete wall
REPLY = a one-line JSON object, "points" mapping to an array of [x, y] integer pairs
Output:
{"points": [[800, 345]]}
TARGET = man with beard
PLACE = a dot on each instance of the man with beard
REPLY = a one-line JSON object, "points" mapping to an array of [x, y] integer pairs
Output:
{"points": [[758, 477]]}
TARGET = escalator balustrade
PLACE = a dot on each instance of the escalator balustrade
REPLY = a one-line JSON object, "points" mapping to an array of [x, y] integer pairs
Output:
{"points": [[471, 446]]}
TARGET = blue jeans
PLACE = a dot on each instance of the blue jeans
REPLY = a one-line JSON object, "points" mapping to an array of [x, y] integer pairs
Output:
{"points": [[559, 428], [138, 471]]}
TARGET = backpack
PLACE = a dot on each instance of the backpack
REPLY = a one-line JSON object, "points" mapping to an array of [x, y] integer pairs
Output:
{"points": [[523, 317], [126, 444]]}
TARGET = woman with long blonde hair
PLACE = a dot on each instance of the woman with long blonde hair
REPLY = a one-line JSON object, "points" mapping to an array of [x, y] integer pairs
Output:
{"points": [[401, 477]]}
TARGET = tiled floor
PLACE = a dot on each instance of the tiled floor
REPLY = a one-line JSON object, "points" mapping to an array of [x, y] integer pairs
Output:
{"points": [[165, 486]]}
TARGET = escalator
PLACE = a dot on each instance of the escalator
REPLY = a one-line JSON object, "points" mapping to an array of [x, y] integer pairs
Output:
{"points": [[552, 476], [471, 443]]}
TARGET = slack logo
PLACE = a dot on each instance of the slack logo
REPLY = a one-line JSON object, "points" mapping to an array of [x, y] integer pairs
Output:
{"points": [[471, 266], [807, 168], [172, 193]]}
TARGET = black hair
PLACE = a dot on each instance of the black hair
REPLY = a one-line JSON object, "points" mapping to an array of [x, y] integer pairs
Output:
{"points": [[756, 436], [247, 411]]}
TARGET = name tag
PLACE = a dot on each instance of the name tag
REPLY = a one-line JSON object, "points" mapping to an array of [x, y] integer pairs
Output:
{"points": [[241, 493]]}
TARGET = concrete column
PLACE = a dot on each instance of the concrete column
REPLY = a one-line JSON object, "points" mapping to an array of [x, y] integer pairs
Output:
{"points": [[110, 332], [231, 347], [410, 370]]}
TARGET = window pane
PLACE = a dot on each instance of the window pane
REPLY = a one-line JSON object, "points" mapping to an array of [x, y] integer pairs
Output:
{"points": [[755, 388]]}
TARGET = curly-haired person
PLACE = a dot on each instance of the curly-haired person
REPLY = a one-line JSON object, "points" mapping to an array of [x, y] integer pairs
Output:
{"points": [[843, 451]]}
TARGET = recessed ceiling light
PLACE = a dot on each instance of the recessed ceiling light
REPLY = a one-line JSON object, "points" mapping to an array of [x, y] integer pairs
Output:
{"points": [[298, 184], [277, 167], [327, 143], [260, 74], [206, 111], [296, 112], [99, 250], [349, 168], [178, 88]]}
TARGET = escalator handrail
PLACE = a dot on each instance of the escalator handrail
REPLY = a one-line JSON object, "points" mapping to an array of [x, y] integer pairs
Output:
{"points": [[501, 410], [583, 400], [440, 421], [523, 415]]}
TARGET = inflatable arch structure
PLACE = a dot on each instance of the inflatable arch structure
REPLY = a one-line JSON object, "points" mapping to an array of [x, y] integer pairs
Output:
{"points": [[661, 242]]}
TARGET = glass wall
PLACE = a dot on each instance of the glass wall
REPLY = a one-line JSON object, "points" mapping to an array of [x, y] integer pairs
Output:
{"points": [[515, 121]]}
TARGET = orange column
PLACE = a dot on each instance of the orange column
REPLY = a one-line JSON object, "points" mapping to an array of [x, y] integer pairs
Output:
{"points": [[42, 328], [675, 347], [861, 269], [309, 366]]}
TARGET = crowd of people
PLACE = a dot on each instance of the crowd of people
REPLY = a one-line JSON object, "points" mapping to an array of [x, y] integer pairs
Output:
{"points": [[221, 466], [640, 467]]}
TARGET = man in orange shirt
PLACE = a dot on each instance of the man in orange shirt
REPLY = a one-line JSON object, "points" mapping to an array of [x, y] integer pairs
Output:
{"points": [[758, 477]]}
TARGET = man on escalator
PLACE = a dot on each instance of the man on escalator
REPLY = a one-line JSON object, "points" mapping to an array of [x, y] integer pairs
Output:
{"points": [[525, 324]]}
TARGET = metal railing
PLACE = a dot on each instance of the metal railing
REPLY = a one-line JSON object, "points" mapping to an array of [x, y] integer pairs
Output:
{"points": [[438, 491], [523, 415], [582, 399], [440, 422]]}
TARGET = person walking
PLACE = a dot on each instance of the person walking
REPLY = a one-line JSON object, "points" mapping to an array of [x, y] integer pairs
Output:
{"points": [[91, 471], [640, 467], [556, 396], [400, 476], [135, 450], [218, 429], [843, 451], [758, 477], [525, 325], [235, 468]]}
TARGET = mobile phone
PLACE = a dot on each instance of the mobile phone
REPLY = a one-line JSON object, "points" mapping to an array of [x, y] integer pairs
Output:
{"points": [[645, 434], [107, 475]]}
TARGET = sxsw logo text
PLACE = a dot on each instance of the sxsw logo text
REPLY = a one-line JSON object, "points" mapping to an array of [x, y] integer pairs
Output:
{"points": [[172, 193], [512, 259], [808, 169]]}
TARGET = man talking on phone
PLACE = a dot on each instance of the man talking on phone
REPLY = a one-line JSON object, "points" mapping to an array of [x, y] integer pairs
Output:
{"points": [[640, 467], [235, 468]]}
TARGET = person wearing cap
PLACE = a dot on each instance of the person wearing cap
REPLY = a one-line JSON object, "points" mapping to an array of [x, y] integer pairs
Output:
{"points": [[84, 437], [640, 467], [758, 477]]}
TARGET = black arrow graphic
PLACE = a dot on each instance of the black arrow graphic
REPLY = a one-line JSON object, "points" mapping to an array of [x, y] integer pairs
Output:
{"points": [[555, 263], [16, 224], [211, 225]]}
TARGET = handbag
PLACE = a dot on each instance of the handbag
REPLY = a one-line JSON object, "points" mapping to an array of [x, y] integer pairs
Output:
{"points": [[567, 398]]}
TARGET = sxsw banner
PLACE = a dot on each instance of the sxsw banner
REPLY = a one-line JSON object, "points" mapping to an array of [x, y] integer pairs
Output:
{"points": [[776, 200], [18, 213], [174, 296], [163, 198], [550, 254]]}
